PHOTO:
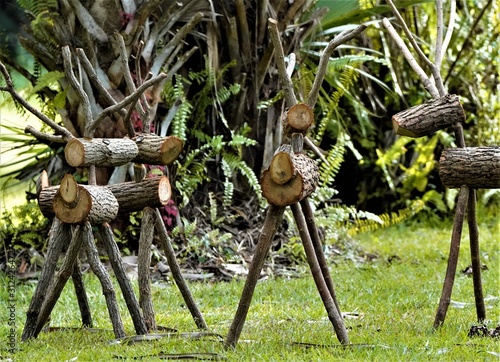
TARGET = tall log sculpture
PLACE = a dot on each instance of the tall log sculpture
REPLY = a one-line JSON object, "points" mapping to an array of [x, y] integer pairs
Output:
{"points": [[289, 180], [76, 208], [463, 168]]}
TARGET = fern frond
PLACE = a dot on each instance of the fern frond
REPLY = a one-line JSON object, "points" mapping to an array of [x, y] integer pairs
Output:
{"points": [[330, 168]]}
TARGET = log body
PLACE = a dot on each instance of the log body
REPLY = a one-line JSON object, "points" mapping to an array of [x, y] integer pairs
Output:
{"points": [[95, 204], [298, 187], [131, 196], [83, 152], [427, 118], [476, 167], [156, 150]]}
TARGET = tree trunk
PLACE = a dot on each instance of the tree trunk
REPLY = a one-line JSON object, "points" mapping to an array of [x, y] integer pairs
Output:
{"points": [[131, 196], [155, 150], [476, 167], [102, 152], [427, 118]]}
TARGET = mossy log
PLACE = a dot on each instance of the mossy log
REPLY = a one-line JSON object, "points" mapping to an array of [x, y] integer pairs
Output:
{"points": [[156, 150], [103, 152], [475, 167], [131, 196], [301, 173], [429, 117]]}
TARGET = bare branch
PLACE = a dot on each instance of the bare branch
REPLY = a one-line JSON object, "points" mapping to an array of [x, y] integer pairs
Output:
{"points": [[94, 78], [341, 38], [285, 80], [49, 122], [431, 88], [44, 137], [449, 31], [128, 100], [439, 33], [84, 99]]}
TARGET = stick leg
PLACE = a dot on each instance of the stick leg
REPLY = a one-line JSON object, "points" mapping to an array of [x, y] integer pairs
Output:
{"points": [[456, 235], [475, 257], [326, 297], [104, 278], [177, 274], [58, 237], [318, 248], [81, 295], [121, 276], [273, 219], [144, 261], [62, 277]]}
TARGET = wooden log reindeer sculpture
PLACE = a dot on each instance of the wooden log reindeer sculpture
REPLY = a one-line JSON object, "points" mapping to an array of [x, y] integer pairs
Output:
{"points": [[290, 179], [77, 209], [467, 168]]}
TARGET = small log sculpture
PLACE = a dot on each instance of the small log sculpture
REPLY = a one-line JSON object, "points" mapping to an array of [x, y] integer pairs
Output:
{"points": [[284, 166], [74, 204], [298, 119], [156, 150], [476, 167], [81, 152], [131, 196], [429, 117]]}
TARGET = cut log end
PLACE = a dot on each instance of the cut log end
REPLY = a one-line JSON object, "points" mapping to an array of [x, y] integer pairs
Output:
{"points": [[171, 149], [294, 190], [298, 119], [164, 190], [281, 195], [69, 189], [281, 168], [74, 152]]}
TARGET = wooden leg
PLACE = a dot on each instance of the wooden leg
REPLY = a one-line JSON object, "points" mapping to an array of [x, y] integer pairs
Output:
{"points": [[273, 219], [475, 257], [326, 297], [456, 235], [81, 295], [318, 248], [176, 272], [59, 236], [121, 276], [144, 261], [104, 278], [62, 277]]}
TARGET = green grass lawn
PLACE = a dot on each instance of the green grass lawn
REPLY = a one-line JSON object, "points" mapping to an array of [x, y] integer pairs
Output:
{"points": [[391, 302]]}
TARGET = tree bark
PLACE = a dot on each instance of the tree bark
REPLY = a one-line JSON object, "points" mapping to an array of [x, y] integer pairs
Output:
{"points": [[155, 150], [427, 118], [476, 167], [296, 188], [131, 196], [74, 204], [103, 152]]}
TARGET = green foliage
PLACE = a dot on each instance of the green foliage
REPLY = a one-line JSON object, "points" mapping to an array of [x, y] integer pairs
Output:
{"points": [[23, 227], [191, 124], [37, 7]]}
